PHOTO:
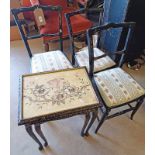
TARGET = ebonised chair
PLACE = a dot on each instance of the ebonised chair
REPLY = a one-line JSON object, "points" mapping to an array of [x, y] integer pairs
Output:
{"points": [[49, 61], [115, 87], [81, 58]]}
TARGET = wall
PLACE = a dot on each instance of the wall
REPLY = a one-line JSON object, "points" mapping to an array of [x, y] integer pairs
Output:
{"points": [[114, 12], [14, 34]]}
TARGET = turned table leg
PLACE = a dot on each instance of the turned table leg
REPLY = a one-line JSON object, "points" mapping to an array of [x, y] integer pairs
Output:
{"points": [[87, 118], [31, 133], [94, 116], [40, 133]]}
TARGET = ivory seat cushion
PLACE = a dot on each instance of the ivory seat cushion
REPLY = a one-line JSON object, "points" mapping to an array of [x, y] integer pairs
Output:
{"points": [[117, 87], [82, 58], [49, 61]]}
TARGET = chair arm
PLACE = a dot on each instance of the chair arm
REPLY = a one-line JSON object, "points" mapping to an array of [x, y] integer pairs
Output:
{"points": [[121, 53], [117, 53], [114, 53], [99, 57], [110, 53]]}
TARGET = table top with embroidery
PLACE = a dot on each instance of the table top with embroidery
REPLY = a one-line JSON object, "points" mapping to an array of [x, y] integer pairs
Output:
{"points": [[51, 92]]}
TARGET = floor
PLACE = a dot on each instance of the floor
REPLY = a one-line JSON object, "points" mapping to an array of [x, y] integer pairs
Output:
{"points": [[118, 136]]}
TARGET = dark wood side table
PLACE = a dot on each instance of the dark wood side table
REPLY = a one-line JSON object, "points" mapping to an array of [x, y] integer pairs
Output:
{"points": [[49, 96]]}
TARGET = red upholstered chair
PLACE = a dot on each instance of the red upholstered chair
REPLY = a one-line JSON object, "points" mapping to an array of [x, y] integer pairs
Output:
{"points": [[80, 23]]}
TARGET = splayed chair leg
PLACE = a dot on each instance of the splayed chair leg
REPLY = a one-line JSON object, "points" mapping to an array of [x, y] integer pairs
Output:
{"points": [[139, 103], [101, 121]]}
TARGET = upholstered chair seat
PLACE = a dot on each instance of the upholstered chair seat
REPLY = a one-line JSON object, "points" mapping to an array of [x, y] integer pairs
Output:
{"points": [[117, 87], [49, 61], [103, 63]]}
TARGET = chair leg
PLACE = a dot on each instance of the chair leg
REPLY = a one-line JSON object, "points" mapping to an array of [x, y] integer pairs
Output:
{"points": [[101, 120], [98, 118], [94, 116], [87, 118], [31, 133], [40, 133], [46, 47], [73, 61], [136, 108]]}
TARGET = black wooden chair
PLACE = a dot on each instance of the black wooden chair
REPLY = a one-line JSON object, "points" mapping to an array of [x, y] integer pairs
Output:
{"points": [[115, 87], [81, 57], [49, 61]]}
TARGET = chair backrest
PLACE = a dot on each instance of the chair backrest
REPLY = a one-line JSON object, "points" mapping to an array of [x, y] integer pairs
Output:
{"points": [[20, 23], [68, 17], [128, 26]]}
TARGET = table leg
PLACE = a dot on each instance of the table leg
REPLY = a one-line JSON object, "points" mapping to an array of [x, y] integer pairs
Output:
{"points": [[94, 116], [87, 118], [40, 133], [31, 133]]}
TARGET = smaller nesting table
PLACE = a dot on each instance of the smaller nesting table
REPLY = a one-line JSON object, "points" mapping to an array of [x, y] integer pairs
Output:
{"points": [[49, 96]]}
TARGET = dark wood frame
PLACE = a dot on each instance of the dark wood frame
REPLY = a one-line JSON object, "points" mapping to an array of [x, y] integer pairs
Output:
{"points": [[37, 121], [53, 116], [139, 100], [118, 53], [128, 25], [69, 27], [21, 23]]}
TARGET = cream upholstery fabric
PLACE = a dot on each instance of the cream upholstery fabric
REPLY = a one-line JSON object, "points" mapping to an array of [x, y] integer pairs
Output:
{"points": [[82, 58], [49, 93], [117, 87], [49, 61]]}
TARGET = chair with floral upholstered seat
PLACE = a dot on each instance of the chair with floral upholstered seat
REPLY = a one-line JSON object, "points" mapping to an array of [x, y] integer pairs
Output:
{"points": [[81, 57], [116, 88], [49, 61]]}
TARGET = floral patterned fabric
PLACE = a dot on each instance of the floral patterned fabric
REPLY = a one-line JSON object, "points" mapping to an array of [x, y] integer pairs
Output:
{"points": [[49, 61], [82, 58], [49, 93], [117, 87]]}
